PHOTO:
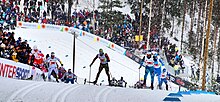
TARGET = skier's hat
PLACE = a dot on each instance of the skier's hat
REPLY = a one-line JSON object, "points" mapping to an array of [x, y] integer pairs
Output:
{"points": [[52, 53], [148, 53], [100, 50], [164, 70]]}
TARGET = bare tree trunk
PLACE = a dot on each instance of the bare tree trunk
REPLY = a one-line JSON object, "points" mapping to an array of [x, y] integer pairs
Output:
{"points": [[218, 46], [198, 22], [172, 27], [183, 25], [191, 24], [70, 3], [214, 51], [206, 46], [202, 38]]}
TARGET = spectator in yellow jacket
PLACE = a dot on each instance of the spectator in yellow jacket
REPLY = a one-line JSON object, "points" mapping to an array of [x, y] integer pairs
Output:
{"points": [[14, 57], [176, 68]]}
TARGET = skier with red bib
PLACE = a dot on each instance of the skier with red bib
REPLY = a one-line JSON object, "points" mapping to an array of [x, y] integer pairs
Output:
{"points": [[104, 59]]}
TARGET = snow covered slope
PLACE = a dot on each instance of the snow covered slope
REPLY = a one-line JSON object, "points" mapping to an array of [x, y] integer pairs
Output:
{"points": [[62, 44], [12, 90]]}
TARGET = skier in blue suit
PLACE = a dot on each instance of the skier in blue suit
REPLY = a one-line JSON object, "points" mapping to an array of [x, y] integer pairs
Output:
{"points": [[164, 78]]}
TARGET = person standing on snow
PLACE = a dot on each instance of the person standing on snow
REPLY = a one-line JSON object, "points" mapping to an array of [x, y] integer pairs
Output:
{"points": [[148, 62], [104, 59], [52, 60]]}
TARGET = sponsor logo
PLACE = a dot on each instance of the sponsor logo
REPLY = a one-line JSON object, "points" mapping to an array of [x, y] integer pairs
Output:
{"points": [[22, 73], [7, 70]]}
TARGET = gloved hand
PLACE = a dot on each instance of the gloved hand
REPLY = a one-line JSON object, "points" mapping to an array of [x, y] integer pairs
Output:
{"points": [[139, 67]]}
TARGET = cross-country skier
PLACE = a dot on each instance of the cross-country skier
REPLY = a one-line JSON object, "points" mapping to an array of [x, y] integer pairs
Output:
{"points": [[148, 62], [104, 59], [61, 71], [52, 60], [157, 70], [164, 78], [38, 57], [69, 77], [157, 66]]}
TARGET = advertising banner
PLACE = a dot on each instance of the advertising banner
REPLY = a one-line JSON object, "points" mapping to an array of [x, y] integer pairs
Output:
{"points": [[11, 69], [81, 33]]}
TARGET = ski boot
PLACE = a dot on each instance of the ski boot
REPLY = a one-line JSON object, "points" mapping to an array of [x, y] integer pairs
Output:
{"points": [[166, 87], [30, 78], [94, 82], [152, 86], [160, 87], [49, 79], [57, 80], [44, 77]]}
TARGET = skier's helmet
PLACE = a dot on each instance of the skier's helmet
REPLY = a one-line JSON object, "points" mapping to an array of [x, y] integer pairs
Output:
{"points": [[164, 70], [101, 51], [35, 47], [148, 54], [142, 78], [69, 70], [52, 54]]}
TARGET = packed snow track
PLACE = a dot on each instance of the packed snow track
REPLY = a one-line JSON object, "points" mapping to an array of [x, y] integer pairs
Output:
{"points": [[12, 90]]}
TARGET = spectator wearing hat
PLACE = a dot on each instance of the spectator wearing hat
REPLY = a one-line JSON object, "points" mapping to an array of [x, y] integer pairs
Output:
{"points": [[23, 56]]}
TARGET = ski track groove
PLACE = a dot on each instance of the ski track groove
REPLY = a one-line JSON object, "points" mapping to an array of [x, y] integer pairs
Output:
{"points": [[56, 96], [16, 93], [29, 90], [106, 95], [97, 97], [73, 89]]}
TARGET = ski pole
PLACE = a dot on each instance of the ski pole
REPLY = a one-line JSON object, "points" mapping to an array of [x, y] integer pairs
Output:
{"points": [[110, 74], [139, 75], [89, 74]]}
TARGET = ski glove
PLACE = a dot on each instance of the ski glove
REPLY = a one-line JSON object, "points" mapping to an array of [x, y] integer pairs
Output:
{"points": [[141, 64]]}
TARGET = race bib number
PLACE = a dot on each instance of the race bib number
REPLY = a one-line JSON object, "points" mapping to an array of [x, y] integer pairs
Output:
{"points": [[149, 62], [70, 76], [52, 63], [103, 60]]}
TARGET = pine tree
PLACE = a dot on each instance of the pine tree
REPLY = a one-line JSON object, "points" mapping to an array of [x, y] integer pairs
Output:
{"points": [[216, 21], [183, 25], [199, 23], [192, 35]]}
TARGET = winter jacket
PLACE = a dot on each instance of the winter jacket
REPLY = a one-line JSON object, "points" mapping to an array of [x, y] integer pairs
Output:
{"points": [[68, 75]]}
